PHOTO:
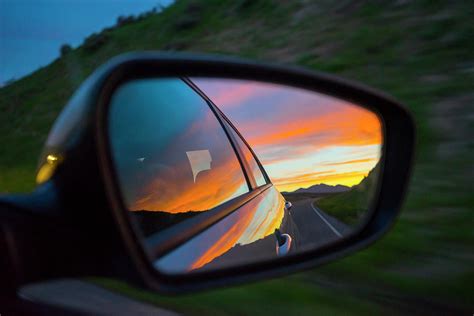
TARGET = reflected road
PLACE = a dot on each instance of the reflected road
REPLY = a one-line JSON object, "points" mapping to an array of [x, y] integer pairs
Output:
{"points": [[309, 227], [315, 228]]}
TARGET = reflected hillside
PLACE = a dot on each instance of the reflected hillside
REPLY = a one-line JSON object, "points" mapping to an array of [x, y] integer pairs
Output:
{"points": [[351, 206], [314, 191]]}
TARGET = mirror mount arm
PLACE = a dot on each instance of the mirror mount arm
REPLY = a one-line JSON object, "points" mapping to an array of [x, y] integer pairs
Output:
{"points": [[41, 239]]}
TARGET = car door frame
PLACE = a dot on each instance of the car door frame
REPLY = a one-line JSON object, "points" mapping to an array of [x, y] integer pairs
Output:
{"points": [[239, 151]]}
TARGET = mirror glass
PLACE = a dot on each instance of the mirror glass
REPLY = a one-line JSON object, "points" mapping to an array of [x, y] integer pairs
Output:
{"points": [[218, 172]]}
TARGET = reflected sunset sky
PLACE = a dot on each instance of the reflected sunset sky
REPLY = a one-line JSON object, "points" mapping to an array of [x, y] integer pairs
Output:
{"points": [[302, 138]]}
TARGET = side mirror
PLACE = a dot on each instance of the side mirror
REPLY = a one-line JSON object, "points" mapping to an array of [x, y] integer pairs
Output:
{"points": [[191, 165]]}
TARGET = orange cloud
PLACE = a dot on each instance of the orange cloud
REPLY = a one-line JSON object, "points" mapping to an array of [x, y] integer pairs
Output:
{"points": [[348, 162], [347, 127], [303, 177]]}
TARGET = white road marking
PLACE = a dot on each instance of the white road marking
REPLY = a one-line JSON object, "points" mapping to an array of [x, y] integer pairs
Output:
{"points": [[324, 220]]}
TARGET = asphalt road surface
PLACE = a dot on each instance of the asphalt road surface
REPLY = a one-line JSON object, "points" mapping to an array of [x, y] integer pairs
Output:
{"points": [[315, 228]]}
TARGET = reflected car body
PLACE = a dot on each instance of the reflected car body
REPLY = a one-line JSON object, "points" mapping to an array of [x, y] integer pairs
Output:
{"points": [[247, 234]]}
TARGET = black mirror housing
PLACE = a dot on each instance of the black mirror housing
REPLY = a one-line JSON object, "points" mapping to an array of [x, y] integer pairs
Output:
{"points": [[76, 164]]}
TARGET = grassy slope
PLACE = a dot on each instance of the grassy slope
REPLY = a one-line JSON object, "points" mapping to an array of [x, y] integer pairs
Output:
{"points": [[350, 207], [420, 52]]}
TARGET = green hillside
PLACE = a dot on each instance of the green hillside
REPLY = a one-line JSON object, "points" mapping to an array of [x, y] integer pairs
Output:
{"points": [[422, 52], [350, 207]]}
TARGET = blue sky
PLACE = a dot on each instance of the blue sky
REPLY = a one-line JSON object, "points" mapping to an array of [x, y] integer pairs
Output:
{"points": [[32, 31]]}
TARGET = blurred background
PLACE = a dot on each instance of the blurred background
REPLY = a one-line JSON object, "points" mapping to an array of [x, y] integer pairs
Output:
{"points": [[421, 52]]}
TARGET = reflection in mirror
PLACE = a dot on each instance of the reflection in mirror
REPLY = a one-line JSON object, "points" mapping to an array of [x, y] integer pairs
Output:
{"points": [[218, 172]]}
